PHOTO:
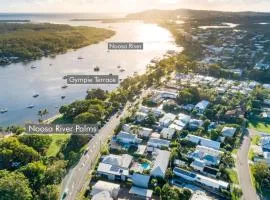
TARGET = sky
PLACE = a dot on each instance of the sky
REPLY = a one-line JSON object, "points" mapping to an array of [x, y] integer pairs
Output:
{"points": [[127, 6]]}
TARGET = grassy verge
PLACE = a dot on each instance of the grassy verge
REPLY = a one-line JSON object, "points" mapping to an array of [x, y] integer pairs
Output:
{"points": [[58, 141], [259, 126], [233, 176]]}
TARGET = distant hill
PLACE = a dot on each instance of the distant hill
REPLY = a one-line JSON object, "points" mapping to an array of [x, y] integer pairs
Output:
{"points": [[199, 14]]}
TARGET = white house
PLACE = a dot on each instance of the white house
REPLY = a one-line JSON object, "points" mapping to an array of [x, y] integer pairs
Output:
{"points": [[127, 138], [228, 131], [201, 106], [160, 164], [115, 167], [167, 133], [203, 141], [111, 188], [104, 195], [158, 143], [167, 94], [141, 116], [198, 165], [195, 124], [167, 119]]}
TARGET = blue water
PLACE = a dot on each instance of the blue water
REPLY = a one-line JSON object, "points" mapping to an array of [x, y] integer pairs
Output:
{"points": [[145, 166], [18, 82]]}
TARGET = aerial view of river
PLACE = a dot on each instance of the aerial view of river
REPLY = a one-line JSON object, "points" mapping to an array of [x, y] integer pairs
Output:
{"points": [[20, 81]]}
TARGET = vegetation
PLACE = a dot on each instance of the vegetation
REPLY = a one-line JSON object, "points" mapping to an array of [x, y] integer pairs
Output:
{"points": [[20, 42]]}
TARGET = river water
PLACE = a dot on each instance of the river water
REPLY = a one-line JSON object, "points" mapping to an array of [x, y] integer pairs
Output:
{"points": [[19, 82]]}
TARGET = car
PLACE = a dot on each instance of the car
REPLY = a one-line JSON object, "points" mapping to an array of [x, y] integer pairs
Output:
{"points": [[65, 194]]}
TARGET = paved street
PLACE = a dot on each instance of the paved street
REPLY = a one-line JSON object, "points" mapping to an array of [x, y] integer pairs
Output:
{"points": [[249, 193], [76, 178]]}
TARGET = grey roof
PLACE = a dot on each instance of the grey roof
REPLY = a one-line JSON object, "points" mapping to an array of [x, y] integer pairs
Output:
{"points": [[126, 135], [140, 180], [159, 141], [161, 162], [117, 160]]}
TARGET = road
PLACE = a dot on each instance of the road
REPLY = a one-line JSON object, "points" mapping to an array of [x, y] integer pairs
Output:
{"points": [[242, 165], [76, 178]]}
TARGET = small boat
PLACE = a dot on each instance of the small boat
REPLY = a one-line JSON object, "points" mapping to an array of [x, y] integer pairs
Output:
{"points": [[50, 64], [108, 51], [2, 111], [64, 86], [63, 97], [110, 74], [119, 66], [96, 69], [33, 67], [36, 95], [30, 107], [80, 58], [122, 70]]}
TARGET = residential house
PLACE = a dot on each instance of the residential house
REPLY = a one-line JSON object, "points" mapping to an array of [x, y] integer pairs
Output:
{"points": [[265, 141], [160, 164], [201, 106], [195, 124], [167, 133], [127, 138], [167, 119], [203, 141], [115, 167], [158, 143], [101, 186], [104, 195], [140, 117], [228, 131], [204, 180]]}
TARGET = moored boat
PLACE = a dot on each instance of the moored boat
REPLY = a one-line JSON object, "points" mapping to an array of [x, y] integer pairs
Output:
{"points": [[2, 111], [30, 106]]}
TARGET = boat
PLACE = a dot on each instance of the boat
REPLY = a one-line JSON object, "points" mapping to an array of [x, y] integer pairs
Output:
{"points": [[31, 106], [2, 111], [33, 67], [119, 66], [110, 74], [36, 95], [64, 86], [108, 51], [122, 70], [80, 58], [96, 69], [63, 97], [50, 64]]}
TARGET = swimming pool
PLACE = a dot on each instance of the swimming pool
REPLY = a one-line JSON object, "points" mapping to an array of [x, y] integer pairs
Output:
{"points": [[145, 166]]}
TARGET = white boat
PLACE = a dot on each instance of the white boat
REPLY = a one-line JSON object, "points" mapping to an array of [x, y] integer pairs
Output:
{"points": [[2, 111], [33, 67], [31, 106]]}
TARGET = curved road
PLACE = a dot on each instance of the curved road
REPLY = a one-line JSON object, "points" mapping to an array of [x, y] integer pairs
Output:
{"points": [[242, 165]]}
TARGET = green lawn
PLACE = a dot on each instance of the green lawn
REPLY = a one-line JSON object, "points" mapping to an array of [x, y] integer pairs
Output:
{"points": [[260, 126], [58, 141], [233, 176]]}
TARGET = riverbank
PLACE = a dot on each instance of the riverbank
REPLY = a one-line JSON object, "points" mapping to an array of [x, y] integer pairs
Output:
{"points": [[26, 42]]}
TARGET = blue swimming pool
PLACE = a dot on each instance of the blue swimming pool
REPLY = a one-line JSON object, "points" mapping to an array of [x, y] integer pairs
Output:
{"points": [[145, 165]]}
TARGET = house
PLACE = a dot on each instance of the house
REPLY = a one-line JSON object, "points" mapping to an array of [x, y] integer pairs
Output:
{"points": [[212, 126], [158, 143], [266, 156], [201, 106], [203, 141], [209, 171], [204, 180], [188, 107], [228, 131], [198, 165], [167, 119], [104, 195], [160, 164], [127, 138], [101, 186], [137, 130], [167, 133], [176, 127], [184, 118], [141, 193], [140, 180], [115, 167], [167, 94], [265, 141], [208, 156], [195, 124], [140, 117]]}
